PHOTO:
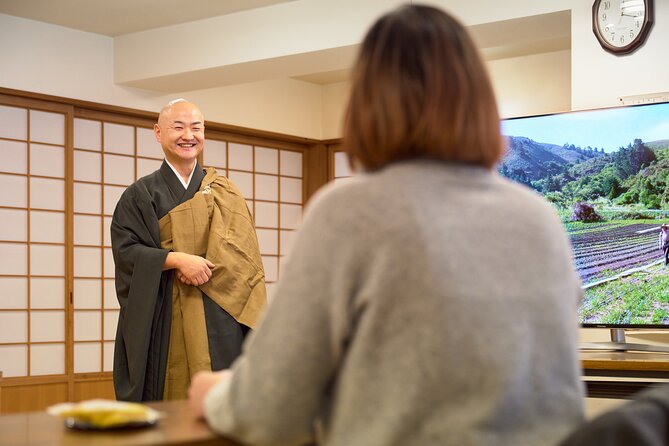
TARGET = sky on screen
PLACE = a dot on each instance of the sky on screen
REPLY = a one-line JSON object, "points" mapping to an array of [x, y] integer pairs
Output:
{"points": [[609, 128]]}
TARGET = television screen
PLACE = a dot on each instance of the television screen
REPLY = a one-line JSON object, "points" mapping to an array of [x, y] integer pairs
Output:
{"points": [[606, 171]]}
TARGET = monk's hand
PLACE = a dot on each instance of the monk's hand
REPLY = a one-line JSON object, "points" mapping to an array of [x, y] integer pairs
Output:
{"points": [[200, 385], [193, 270]]}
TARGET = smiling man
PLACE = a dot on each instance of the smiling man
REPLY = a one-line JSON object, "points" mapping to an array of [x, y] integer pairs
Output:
{"points": [[189, 276]]}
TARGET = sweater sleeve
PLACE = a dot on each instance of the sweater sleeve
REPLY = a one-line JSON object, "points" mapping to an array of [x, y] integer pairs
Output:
{"points": [[281, 381]]}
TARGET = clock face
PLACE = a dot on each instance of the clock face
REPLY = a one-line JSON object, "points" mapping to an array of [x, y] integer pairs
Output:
{"points": [[621, 25]]}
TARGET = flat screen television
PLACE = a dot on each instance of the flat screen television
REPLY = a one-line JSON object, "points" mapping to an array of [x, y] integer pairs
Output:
{"points": [[606, 171]]}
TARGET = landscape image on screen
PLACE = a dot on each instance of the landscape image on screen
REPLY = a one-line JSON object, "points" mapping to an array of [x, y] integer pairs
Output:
{"points": [[607, 173]]}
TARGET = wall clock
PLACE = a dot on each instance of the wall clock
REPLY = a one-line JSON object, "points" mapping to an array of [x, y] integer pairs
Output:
{"points": [[622, 26]]}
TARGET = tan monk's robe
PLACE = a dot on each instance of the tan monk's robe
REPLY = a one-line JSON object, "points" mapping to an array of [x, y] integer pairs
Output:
{"points": [[217, 225]]}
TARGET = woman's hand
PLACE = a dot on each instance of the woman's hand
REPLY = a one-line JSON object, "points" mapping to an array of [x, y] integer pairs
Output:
{"points": [[200, 385]]}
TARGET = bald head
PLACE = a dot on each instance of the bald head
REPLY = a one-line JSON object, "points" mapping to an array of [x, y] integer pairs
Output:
{"points": [[180, 132], [179, 103]]}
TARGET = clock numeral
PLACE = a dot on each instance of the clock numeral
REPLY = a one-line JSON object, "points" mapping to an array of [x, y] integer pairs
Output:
{"points": [[603, 16], [631, 34], [622, 38], [638, 24], [607, 5]]}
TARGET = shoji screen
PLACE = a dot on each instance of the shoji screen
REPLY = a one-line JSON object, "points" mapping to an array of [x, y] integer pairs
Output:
{"points": [[63, 167], [340, 166], [33, 248], [108, 157], [271, 180]]}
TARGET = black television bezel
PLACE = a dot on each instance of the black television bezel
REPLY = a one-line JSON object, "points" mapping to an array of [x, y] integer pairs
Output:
{"points": [[582, 111]]}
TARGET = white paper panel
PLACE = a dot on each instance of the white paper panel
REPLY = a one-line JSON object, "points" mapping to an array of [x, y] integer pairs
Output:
{"points": [[286, 241], [13, 258], [146, 166], [341, 167], [249, 206], [87, 134], [110, 300], [111, 321], [87, 198], [147, 145], [87, 293], [13, 191], [14, 156], [291, 163], [111, 197], [87, 166], [13, 122], [14, 224], [109, 263], [291, 190], [47, 293], [267, 160], [106, 231], [47, 194], [119, 138], [266, 215], [47, 160], [108, 357], [267, 187], [271, 268], [47, 127], [119, 169], [47, 326], [87, 325], [13, 326], [268, 240], [240, 156], [87, 357], [13, 360], [47, 260], [87, 262], [291, 215], [270, 288], [47, 227], [243, 181], [282, 263], [47, 359], [87, 230], [13, 293], [214, 153]]}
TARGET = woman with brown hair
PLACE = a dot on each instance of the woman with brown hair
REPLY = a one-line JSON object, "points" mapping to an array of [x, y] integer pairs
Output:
{"points": [[418, 306]]}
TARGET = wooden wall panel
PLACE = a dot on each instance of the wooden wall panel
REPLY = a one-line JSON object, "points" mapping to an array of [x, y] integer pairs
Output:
{"points": [[101, 388], [30, 397]]}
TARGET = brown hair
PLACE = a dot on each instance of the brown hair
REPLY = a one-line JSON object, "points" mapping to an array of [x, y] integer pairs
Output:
{"points": [[420, 89]]}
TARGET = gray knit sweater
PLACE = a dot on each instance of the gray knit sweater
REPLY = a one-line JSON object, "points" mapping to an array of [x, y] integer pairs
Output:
{"points": [[425, 304]]}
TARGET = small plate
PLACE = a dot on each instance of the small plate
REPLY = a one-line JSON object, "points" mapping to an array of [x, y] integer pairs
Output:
{"points": [[100, 414], [73, 423]]}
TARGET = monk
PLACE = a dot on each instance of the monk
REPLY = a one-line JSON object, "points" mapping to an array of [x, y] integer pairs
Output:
{"points": [[189, 276]]}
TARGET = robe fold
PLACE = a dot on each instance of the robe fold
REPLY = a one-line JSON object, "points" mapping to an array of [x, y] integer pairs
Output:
{"points": [[145, 291]]}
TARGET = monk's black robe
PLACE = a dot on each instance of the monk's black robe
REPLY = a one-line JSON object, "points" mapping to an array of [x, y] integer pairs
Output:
{"points": [[144, 290]]}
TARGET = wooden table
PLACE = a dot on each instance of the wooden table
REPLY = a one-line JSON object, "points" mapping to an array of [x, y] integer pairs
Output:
{"points": [[177, 427], [610, 374]]}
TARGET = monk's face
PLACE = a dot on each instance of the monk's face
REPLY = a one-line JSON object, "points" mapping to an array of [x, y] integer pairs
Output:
{"points": [[180, 131]]}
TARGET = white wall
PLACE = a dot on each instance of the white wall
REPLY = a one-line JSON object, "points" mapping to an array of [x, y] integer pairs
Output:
{"points": [[600, 78], [534, 84], [58, 61], [54, 60]]}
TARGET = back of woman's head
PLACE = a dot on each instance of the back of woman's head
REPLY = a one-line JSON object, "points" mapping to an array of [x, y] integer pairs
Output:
{"points": [[420, 89]]}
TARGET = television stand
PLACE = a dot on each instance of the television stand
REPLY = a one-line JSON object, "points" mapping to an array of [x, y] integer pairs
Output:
{"points": [[618, 344]]}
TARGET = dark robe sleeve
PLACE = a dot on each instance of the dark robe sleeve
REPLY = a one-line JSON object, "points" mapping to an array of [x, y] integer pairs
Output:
{"points": [[141, 287]]}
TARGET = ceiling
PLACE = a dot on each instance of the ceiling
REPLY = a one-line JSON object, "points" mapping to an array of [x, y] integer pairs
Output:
{"points": [[118, 17], [497, 40]]}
